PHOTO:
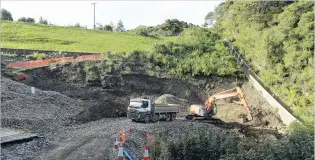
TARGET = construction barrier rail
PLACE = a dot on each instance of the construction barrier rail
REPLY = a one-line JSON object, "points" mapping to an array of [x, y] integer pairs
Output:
{"points": [[46, 62]]}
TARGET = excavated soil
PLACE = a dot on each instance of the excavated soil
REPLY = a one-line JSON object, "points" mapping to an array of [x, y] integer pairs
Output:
{"points": [[111, 101], [77, 118]]}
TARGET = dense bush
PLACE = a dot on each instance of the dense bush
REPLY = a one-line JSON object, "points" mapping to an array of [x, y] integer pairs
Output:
{"points": [[28, 20], [171, 27], [195, 53], [201, 144], [277, 38], [108, 28], [142, 31]]}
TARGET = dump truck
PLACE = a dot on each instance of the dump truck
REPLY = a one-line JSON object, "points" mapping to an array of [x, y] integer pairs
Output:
{"points": [[145, 110]]}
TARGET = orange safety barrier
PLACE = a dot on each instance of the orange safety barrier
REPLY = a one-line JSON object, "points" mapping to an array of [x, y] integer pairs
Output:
{"points": [[62, 60], [28, 64], [88, 57], [41, 63]]}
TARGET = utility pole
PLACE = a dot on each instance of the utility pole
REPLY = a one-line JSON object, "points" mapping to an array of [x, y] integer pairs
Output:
{"points": [[94, 13]]}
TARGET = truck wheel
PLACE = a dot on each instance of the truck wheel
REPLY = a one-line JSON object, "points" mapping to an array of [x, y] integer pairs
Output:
{"points": [[147, 119], [168, 117], [173, 117], [156, 118]]}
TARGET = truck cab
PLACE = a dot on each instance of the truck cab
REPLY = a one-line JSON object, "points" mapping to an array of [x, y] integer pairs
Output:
{"points": [[138, 109]]}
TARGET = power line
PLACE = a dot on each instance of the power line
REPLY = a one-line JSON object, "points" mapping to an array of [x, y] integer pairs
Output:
{"points": [[94, 13]]}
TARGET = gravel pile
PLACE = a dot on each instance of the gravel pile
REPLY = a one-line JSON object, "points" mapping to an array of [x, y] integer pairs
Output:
{"points": [[18, 105], [44, 113]]}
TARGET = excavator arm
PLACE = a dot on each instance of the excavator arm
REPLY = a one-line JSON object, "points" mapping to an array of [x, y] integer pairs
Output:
{"points": [[225, 94]]}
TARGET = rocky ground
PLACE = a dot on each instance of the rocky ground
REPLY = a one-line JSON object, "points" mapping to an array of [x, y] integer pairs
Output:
{"points": [[76, 115]]}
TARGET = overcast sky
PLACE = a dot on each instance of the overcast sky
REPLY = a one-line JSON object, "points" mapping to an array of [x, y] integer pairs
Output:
{"points": [[132, 13]]}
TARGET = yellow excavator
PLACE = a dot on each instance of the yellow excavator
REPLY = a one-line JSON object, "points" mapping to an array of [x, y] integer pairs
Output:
{"points": [[197, 111]]}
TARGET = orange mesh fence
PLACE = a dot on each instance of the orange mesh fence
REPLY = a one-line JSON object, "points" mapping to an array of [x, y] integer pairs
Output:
{"points": [[41, 63], [89, 57], [62, 60], [28, 64]]}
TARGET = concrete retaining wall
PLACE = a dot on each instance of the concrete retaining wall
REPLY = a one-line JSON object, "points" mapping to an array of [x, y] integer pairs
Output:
{"points": [[284, 111], [286, 117]]}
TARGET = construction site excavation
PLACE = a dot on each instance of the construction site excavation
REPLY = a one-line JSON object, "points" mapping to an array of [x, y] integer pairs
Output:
{"points": [[229, 80], [72, 116]]}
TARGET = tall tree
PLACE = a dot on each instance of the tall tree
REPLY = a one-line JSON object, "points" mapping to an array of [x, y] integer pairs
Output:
{"points": [[42, 20], [120, 27], [6, 15]]}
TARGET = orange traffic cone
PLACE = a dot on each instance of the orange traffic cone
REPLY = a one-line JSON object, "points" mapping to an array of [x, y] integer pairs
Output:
{"points": [[122, 137], [146, 153], [116, 144]]}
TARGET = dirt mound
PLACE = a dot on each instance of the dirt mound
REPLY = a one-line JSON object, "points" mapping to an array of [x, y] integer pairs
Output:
{"points": [[169, 99]]}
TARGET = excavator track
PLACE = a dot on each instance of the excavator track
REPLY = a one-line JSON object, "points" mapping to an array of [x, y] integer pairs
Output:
{"points": [[210, 120]]}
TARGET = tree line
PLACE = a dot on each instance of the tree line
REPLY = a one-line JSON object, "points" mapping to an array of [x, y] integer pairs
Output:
{"points": [[6, 15]]}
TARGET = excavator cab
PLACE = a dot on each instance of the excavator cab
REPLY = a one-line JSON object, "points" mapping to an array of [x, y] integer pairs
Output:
{"points": [[213, 111]]}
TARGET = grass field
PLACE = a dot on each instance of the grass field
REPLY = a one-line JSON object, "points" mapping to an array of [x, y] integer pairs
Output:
{"points": [[45, 37]]}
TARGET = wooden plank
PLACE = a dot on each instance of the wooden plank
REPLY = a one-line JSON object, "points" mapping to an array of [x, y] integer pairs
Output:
{"points": [[11, 135]]}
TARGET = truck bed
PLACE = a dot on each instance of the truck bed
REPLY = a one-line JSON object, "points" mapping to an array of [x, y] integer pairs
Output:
{"points": [[160, 108]]}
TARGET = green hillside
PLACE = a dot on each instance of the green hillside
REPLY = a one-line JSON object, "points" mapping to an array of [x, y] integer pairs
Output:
{"points": [[37, 36], [277, 39]]}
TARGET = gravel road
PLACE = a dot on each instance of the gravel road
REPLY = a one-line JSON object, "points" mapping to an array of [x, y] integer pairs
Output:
{"points": [[93, 140]]}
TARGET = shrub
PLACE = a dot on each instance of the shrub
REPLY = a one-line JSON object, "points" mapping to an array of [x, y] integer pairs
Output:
{"points": [[77, 25], [27, 20], [142, 31], [201, 144], [92, 73], [37, 56], [108, 28]]}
